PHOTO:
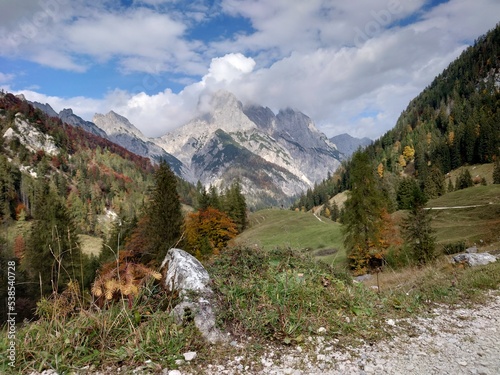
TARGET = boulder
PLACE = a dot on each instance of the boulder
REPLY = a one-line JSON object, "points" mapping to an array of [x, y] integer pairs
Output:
{"points": [[474, 259], [186, 275]]}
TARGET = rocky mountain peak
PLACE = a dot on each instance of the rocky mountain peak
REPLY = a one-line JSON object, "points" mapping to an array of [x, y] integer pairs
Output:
{"points": [[284, 152], [44, 108], [113, 123], [223, 100], [66, 112]]}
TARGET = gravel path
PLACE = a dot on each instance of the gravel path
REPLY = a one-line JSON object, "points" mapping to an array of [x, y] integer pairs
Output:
{"points": [[448, 341], [451, 341]]}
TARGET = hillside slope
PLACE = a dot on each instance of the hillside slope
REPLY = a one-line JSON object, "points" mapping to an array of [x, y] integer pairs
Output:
{"points": [[274, 228]]}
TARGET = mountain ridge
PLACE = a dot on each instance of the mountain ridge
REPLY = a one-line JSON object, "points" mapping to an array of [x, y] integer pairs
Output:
{"points": [[291, 149], [348, 144]]}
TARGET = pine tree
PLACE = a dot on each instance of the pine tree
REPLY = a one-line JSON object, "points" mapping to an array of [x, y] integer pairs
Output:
{"points": [[363, 213], [496, 172], [202, 198], [464, 180], [53, 254], [404, 194], [235, 206], [418, 231], [164, 215], [335, 212]]}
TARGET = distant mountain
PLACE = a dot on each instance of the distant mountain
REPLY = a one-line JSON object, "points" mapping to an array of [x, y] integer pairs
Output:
{"points": [[122, 132], [453, 122], [67, 116], [347, 144], [119, 130], [275, 156], [44, 108]]}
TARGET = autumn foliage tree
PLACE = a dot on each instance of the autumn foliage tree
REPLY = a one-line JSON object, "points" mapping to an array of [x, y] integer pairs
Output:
{"points": [[208, 232]]}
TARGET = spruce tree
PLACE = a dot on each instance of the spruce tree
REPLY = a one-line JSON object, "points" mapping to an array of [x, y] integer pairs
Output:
{"points": [[235, 206], [418, 231], [464, 181], [164, 215], [334, 212], [363, 213], [53, 255], [496, 172]]}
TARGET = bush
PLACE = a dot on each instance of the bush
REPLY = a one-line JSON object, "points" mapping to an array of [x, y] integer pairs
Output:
{"points": [[454, 248], [282, 294]]}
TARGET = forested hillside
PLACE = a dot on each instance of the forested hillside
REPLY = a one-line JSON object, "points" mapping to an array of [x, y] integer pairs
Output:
{"points": [[455, 121], [59, 182]]}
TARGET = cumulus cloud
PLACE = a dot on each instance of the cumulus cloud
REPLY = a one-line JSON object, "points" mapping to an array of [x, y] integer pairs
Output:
{"points": [[351, 66]]}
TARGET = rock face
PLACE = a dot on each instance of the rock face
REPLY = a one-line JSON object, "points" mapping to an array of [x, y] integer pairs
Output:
{"points": [[185, 274], [31, 137], [275, 156], [347, 144], [67, 116], [475, 259], [121, 131]]}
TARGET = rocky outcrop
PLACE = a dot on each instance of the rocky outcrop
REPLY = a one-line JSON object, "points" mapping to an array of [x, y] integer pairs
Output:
{"points": [[186, 275], [120, 131], [274, 156], [474, 259], [33, 139], [347, 144]]}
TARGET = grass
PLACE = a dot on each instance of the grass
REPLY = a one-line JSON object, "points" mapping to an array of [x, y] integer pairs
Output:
{"points": [[278, 296], [272, 228], [90, 245], [474, 225], [477, 195], [481, 170]]}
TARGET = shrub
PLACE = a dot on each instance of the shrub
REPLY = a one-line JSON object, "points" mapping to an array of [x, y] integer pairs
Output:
{"points": [[454, 247]]}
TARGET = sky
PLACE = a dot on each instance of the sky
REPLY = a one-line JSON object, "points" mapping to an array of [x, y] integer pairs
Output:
{"points": [[351, 66]]}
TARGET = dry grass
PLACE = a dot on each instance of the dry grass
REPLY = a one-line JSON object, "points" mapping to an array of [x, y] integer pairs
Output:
{"points": [[90, 245]]}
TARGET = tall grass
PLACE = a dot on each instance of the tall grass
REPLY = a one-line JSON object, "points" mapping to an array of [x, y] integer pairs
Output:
{"points": [[280, 295]]}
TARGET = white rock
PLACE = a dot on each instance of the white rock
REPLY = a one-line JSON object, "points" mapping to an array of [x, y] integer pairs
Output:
{"points": [[189, 356]]}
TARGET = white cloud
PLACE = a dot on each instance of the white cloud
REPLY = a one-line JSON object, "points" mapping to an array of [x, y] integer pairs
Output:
{"points": [[346, 64], [228, 68], [6, 77]]}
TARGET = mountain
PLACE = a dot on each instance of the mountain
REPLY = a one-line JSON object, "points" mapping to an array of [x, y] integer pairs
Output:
{"points": [[120, 131], [275, 156], [348, 144], [453, 122], [67, 116], [91, 174]]}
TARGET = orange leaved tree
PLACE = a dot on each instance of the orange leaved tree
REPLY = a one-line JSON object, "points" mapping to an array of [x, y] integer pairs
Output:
{"points": [[208, 231]]}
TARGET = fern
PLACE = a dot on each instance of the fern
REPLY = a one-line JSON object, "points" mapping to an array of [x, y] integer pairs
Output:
{"points": [[123, 278]]}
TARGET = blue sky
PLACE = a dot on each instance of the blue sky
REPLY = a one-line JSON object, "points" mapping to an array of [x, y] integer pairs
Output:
{"points": [[352, 66]]}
